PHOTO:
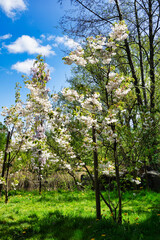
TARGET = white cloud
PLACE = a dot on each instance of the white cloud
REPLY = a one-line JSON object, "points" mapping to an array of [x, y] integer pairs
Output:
{"points": [[25, 67], [66, 41], [6, 36], [30, 45], [43, 36], [51, 37], [11, 7]]}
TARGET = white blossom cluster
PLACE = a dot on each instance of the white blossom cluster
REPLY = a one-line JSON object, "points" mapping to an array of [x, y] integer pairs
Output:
{"points": [[26, 121], [87, 120], [137, 181], [110, 119], [114, 83], [97, 44], [77, 57], [38, 70], [61, 135], [1, 158], [37, 109], [71, 95], [122, 92], [39, 100], [17, 125], [2, 180], [13, 116], [92, 103], [99, 49], [107, 168], [119, 31]]}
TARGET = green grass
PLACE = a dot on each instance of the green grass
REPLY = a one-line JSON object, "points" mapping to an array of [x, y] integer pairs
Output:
{"points": [[66, 215]]}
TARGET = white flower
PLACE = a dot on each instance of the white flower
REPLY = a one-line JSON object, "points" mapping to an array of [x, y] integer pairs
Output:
{"points": [[136, 181], [92, 103], [119, 31], [70, 94], [92, 60], [112, 75]]}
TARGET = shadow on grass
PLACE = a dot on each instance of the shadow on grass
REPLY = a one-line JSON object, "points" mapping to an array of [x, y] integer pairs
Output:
{"points": [[55, 226]]}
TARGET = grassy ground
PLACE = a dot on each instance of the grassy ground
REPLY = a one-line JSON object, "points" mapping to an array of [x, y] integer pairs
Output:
{"points": [[71, 216]]}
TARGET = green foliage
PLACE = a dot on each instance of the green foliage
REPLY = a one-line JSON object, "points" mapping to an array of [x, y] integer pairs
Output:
{"points": [[2, 136]]}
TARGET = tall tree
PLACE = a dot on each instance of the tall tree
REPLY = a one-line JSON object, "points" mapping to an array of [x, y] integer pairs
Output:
{"points": [[139, 55]]}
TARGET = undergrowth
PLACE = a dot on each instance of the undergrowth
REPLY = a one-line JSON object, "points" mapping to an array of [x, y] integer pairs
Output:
{"points": [[63, 215]]}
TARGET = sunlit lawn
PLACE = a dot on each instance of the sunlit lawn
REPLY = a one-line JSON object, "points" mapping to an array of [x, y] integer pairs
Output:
{"points": [[66, 215]]}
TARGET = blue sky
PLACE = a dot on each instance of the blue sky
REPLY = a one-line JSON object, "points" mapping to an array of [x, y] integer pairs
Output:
{"points": [[28, 28]]}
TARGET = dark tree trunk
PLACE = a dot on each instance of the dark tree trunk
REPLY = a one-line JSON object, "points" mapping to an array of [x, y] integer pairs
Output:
{"points": [[118, 182], [140, 54], [127, 49], [40, 180], [96, 182], [105, 201], [7, 174], [75, 180], [146, 176], [116, 162], [152, 79], [4, 161], [152, 70]]}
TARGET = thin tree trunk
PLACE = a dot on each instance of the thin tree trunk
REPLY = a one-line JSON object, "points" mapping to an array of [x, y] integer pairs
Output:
{"points": [[118, 183], [40, 180], [7, 174], [140, 54], [146, 176], [96, 182], [108, 205], [138, 94], [74, 179], [152, 79], [152, 70], [4, 161]]}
